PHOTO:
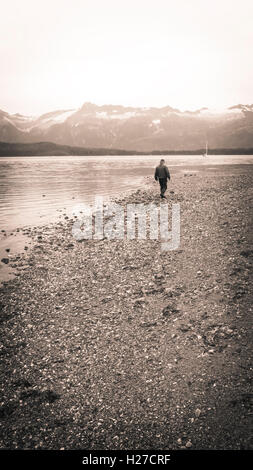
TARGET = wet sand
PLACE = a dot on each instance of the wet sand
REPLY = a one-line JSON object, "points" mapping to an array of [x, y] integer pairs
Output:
{"points": [[117, 345]]}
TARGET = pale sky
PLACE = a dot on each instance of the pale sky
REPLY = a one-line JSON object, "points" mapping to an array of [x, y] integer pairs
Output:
{"points": [[58, 54]]}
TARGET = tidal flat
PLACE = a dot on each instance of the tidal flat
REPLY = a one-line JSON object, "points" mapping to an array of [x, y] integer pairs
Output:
{"points": [[115, 344]]}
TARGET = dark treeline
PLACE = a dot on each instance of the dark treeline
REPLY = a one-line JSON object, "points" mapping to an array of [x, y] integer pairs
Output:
{"points": [[49, 148]]}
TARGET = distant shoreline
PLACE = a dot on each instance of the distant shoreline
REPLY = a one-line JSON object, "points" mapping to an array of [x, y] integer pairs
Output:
{"points": [[8, 149]]}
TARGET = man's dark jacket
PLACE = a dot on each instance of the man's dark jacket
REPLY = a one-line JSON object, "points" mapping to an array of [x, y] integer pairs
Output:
{"points": [[162, 172]]}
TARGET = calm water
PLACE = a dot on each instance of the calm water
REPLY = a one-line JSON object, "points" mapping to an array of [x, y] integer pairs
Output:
{"points": [[37, 190]]}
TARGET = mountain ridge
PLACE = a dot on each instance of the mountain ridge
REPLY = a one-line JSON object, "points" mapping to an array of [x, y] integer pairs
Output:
{"points": [[142, 129]]}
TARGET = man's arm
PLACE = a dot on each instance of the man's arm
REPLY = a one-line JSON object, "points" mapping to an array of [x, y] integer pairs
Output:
{"points": [[168, 173], [156, 174]]}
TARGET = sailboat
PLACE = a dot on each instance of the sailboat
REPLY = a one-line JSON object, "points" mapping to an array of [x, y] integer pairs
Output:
{"points": [[206, 154]]}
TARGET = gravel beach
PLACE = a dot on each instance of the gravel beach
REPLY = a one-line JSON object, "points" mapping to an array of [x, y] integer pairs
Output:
{"points": [[115, 344]]}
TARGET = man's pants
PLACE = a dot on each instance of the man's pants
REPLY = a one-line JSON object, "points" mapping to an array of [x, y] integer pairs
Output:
{"points": [[163, 185]]}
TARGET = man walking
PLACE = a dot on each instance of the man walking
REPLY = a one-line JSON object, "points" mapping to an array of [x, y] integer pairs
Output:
{"points": [[162, 174]]}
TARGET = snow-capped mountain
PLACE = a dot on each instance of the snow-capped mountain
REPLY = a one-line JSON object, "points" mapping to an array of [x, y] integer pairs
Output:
{"points": [[142, 129]]}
